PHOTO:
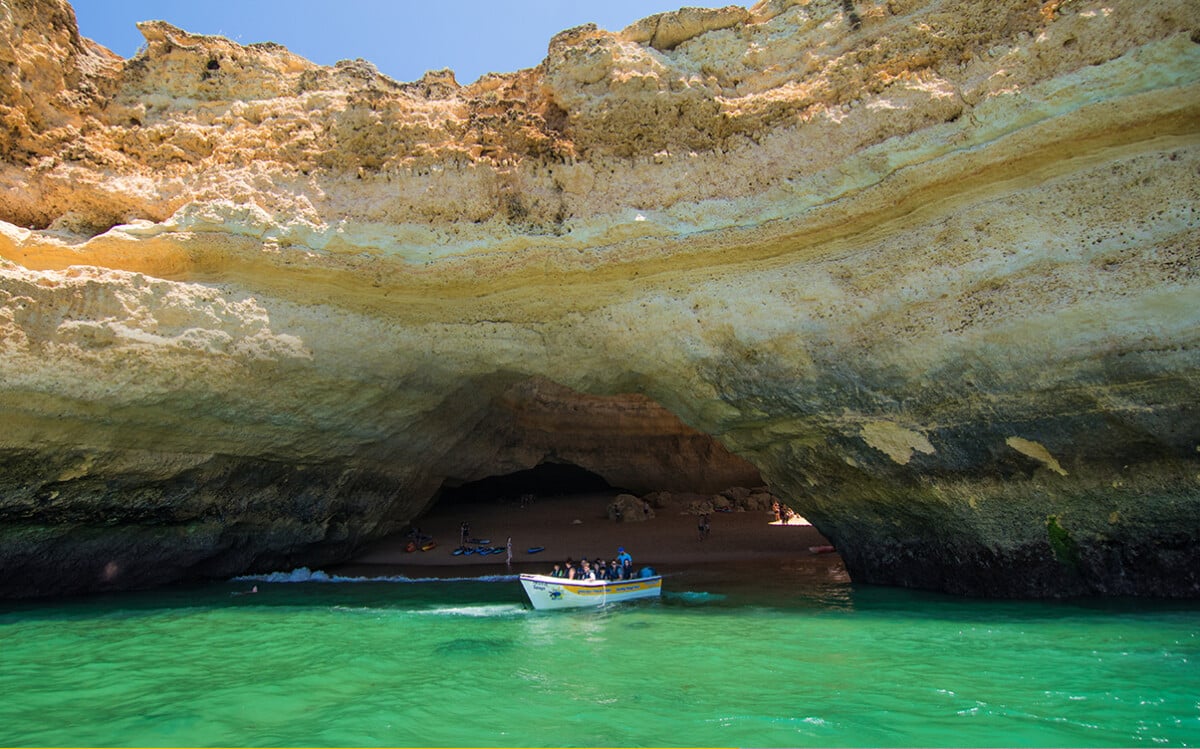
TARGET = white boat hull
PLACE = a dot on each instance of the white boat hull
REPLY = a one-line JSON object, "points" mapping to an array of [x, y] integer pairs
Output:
{"points": [[547, 592]]}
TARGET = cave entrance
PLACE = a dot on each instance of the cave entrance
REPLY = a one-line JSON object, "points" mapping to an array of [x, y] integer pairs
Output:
{"points": [[558, 506], [520, 487], [569, 474]]}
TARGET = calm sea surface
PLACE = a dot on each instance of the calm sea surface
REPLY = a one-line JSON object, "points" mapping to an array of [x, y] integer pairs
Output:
{"points": [[785, 654]]}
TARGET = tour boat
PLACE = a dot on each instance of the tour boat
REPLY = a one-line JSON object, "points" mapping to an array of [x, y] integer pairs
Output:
{"points": [[547, 592]]}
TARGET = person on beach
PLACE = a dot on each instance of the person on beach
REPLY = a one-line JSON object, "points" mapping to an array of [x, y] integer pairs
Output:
{"points": [[702, 528]]}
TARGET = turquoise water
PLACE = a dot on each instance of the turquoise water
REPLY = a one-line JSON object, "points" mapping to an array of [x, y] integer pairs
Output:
{"points": [[729, 657]]}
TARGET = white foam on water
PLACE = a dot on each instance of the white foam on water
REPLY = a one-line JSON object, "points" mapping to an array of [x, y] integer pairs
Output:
{"points": [[695, 596], [305, 575], [482, 611], [298, 575]]}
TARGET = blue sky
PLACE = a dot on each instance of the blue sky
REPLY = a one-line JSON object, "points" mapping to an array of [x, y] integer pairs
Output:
{"points": [[401, 37]]}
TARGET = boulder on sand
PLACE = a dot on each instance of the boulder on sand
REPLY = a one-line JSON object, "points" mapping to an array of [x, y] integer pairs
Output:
{"points": [[626, 508]]}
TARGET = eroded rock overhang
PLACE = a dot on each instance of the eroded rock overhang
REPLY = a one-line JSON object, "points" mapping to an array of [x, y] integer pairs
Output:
{"points": [[932, 273]]}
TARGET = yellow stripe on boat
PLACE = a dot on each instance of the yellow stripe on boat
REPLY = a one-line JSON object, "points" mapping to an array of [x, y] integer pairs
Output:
{"points": [[547, 592]]}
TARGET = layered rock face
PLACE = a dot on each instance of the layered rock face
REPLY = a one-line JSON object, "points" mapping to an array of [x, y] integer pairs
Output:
{"points": [[931, 266]]}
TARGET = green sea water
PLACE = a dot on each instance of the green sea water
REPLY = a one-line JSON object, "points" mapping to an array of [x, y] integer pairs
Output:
{"points": [[779, 654]]}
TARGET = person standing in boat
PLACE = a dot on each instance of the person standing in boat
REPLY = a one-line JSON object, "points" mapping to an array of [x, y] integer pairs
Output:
{"points": [[625, 562]]}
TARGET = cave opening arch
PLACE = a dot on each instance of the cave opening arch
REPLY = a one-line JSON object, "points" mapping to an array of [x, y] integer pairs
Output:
{"points": [[546, 479], [551, 467]]}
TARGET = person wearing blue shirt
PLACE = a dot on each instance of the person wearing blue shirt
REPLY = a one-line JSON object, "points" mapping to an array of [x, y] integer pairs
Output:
{"points": [[625, 562]]}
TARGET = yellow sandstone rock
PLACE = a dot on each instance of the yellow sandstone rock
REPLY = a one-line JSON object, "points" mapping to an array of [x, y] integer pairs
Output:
{"points": [[1036, 451], [255, 311]]}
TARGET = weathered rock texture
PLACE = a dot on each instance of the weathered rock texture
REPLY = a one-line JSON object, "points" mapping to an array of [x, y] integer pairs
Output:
{"points": [[930, 265]]}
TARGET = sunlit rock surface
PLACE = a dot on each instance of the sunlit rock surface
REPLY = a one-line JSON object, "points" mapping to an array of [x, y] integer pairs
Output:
{"points": [[930, 266]]}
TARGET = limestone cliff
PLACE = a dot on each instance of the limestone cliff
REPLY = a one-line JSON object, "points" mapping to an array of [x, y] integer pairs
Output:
{"points": [[931, 266]]}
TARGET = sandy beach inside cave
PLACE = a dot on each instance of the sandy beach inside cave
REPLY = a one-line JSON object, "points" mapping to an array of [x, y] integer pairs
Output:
{"points": [[577, 526]]}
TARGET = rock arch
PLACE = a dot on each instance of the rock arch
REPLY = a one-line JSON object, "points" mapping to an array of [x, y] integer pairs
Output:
{"points": [[936, 282]]}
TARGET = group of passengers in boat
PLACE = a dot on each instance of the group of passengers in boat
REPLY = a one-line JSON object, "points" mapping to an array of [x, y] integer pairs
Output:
{"points": [[620, 568]]}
